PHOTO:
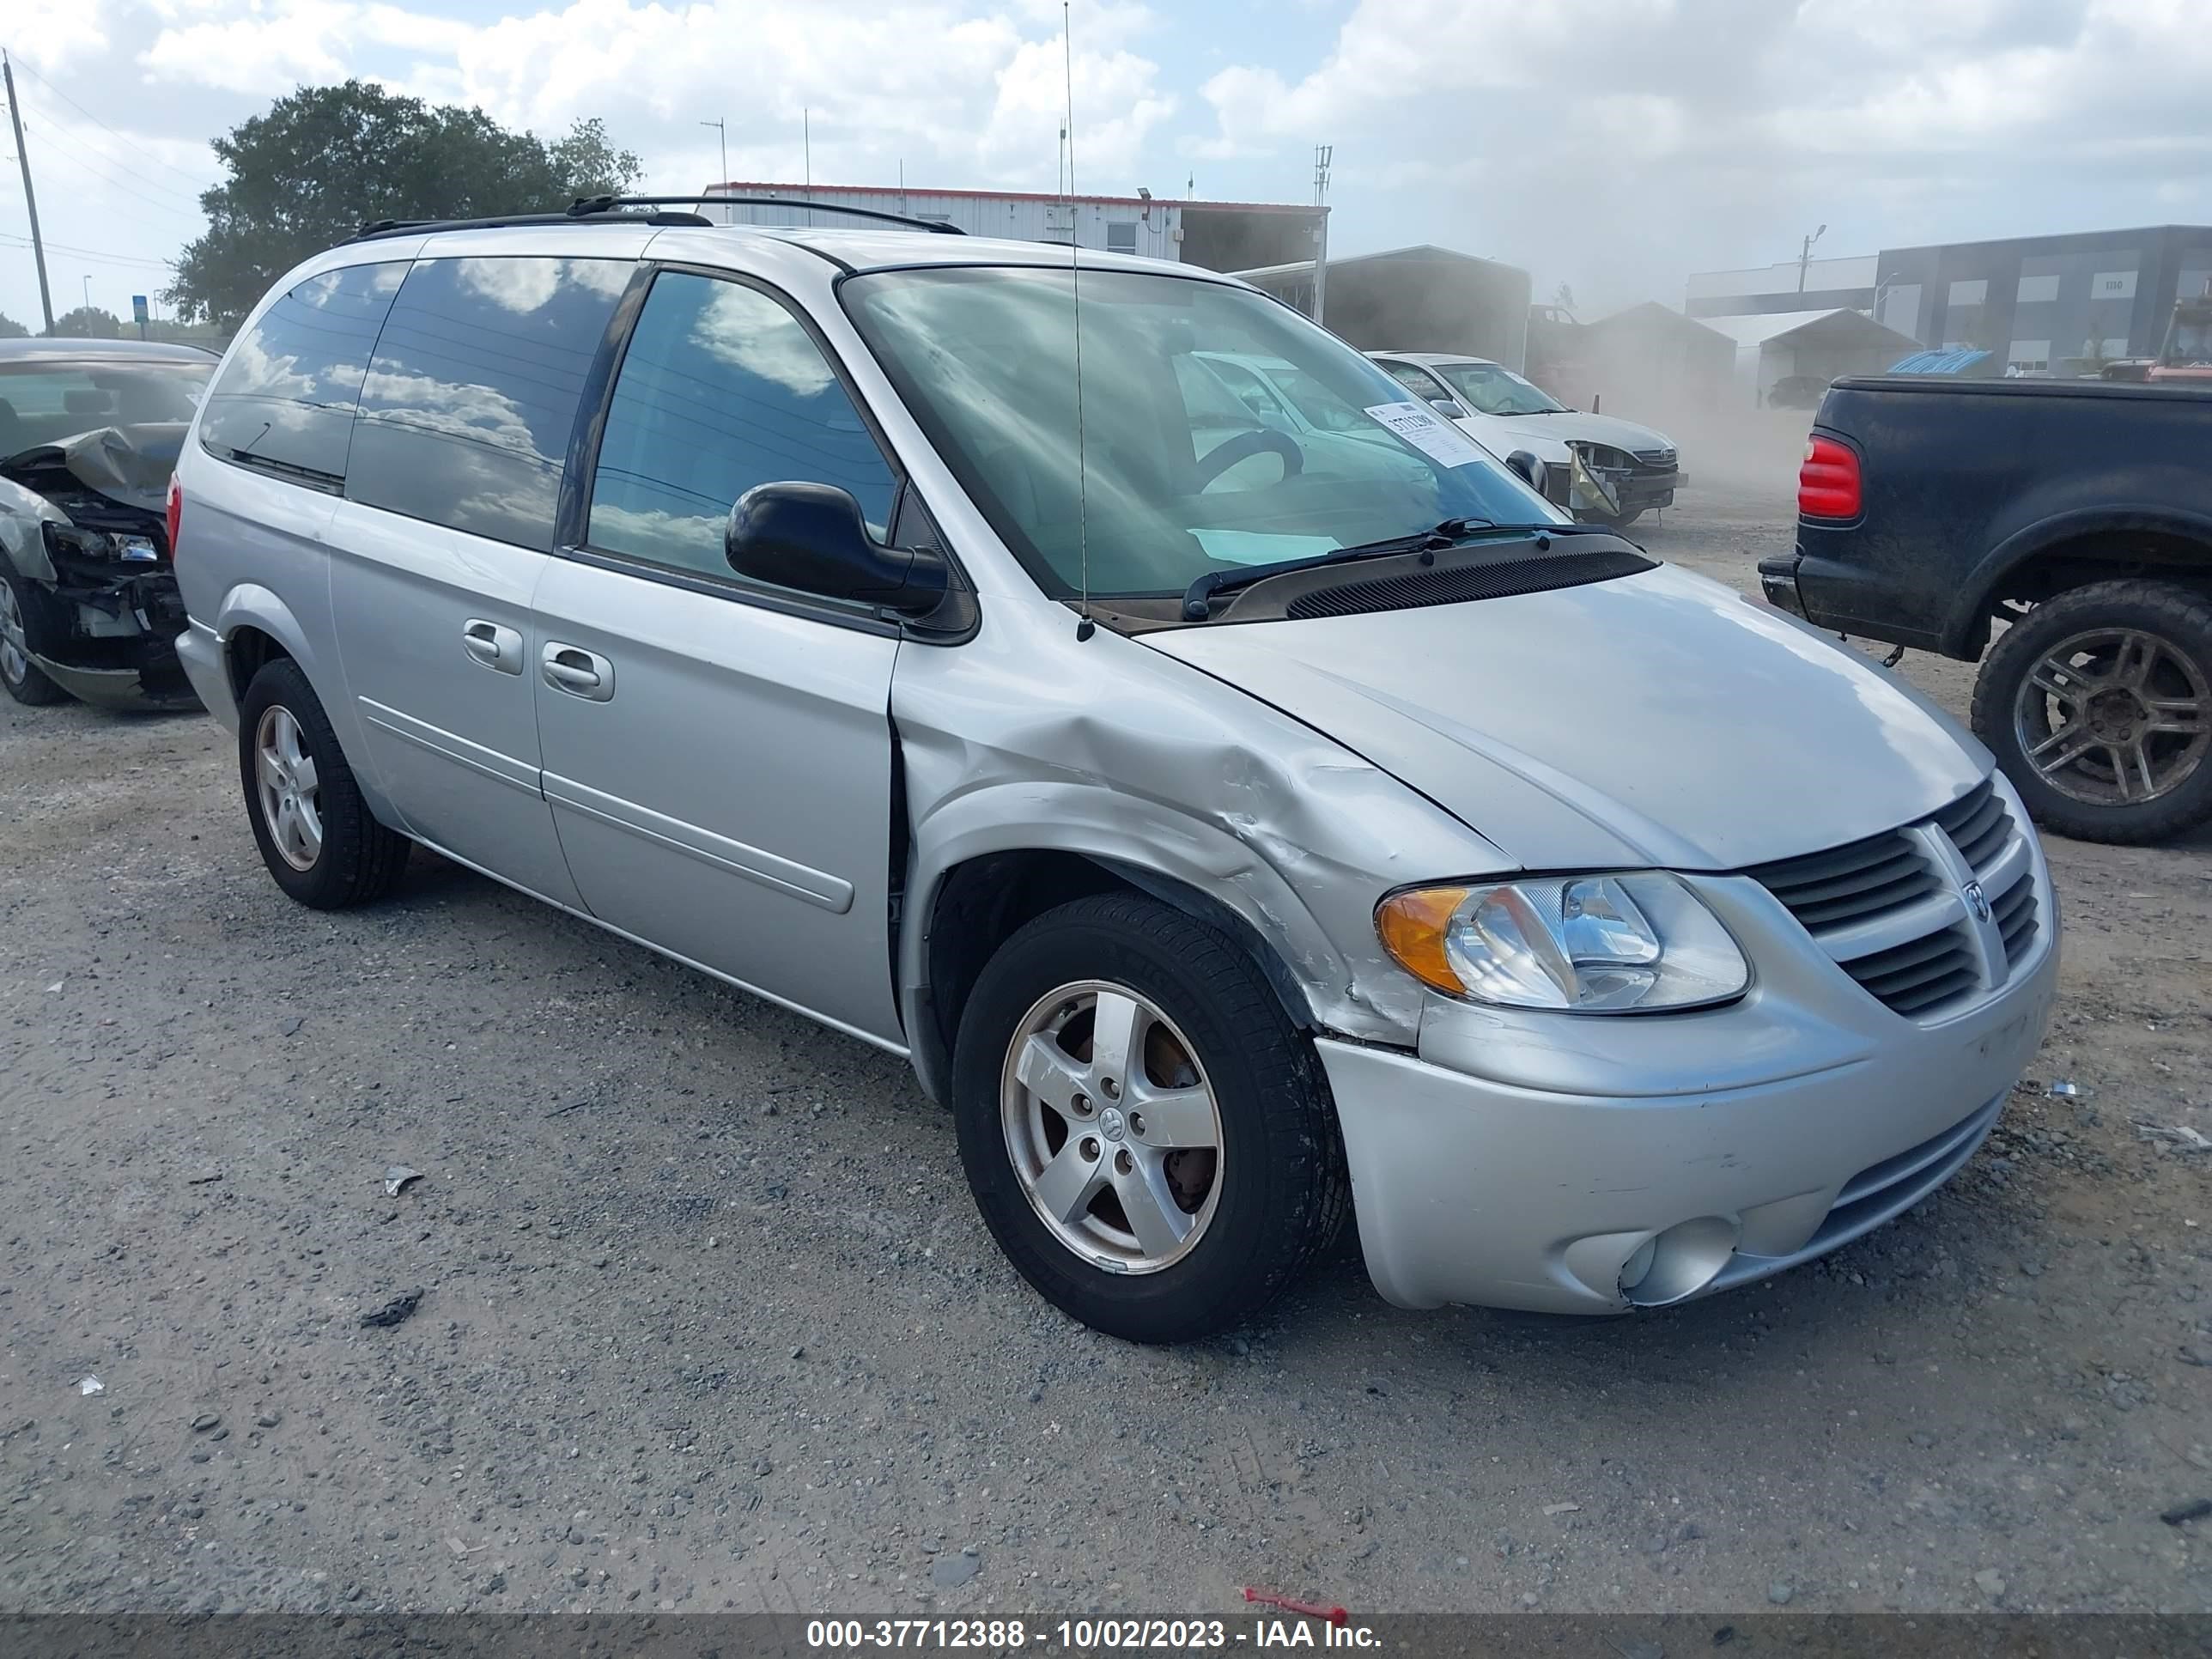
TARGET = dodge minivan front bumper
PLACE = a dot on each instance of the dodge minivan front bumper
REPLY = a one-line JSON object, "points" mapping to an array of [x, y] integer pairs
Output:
{"points": [[1591, 1164]]}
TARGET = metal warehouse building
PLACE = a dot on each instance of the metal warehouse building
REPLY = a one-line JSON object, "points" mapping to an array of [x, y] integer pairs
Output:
{"points": [[1218, 235], [2037, 301], [1413, 299]]}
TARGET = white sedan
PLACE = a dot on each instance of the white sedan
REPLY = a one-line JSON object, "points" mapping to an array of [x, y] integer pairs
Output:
{"points": [[1628, 468]]}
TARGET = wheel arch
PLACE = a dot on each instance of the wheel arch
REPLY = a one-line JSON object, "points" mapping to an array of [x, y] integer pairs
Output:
{"points": [[2071, 550], [970, 888], [254, 626]]}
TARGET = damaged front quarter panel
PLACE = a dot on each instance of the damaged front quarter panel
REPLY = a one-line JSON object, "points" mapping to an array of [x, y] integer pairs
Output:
{"points": [[1026, 739], [82, 524]]}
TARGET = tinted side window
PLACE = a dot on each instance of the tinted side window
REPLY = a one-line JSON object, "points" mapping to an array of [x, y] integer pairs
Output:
{"points": [[465, 418], [285, 397], [721, 389]]}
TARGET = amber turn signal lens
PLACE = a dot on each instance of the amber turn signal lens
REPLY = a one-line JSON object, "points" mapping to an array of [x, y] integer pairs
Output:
{"points": [[1411, 927]]}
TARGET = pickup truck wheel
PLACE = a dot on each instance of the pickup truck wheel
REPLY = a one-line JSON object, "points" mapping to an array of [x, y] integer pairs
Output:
{"points": [[1614, 520], [1150, 1140], [315, 832], [2098, 707], [25, 681]]}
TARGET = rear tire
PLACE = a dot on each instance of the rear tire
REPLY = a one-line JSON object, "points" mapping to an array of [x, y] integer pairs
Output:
{"points": [[1242, 1143], [2127, 667], [316, 834], [25, 681]]}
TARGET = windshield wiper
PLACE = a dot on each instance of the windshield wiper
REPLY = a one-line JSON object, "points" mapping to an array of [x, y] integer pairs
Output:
{"points": [[1197, 598]]}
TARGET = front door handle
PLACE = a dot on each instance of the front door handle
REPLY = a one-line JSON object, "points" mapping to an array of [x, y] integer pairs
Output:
{"points": [[578, 672], [493, 646]]}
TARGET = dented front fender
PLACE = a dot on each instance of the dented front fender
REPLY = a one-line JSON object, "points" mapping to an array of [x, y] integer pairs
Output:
{"points": [[1027, 738]]}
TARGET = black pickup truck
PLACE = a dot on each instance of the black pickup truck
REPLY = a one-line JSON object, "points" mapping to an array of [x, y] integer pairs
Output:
{"points": [[2079, 514]]}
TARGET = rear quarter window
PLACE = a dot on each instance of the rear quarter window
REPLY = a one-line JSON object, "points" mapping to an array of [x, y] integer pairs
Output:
{"points": [[285, 397], [469, 402]]}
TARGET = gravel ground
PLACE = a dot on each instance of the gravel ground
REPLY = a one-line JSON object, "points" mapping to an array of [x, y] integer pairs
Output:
{"points": [[706, 1320]]}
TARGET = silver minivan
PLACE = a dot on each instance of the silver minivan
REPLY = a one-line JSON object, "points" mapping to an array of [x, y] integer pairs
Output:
{"points": [[1236, 831]]}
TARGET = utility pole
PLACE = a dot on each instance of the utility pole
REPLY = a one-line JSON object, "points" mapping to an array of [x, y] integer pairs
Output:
{"points": [[722, 128], [30, 197], [1323, 154], [1805, 255], [806, 147]]}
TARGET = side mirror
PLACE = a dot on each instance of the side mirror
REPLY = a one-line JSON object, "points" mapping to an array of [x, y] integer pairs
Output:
{"points": [[1450, 407], [810, 536], [1526, 468]]}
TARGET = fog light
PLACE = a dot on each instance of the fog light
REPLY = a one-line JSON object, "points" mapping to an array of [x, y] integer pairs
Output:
{"points": [[1633, 1270], [1679, 1263]]}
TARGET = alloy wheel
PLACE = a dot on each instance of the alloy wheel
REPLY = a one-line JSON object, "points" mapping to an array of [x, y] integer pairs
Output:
{"points": [[291, 792], [2114, 717], [1113, 1129], [15, 639]]}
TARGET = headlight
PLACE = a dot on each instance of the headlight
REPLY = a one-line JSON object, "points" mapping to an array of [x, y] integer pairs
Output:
{"points": [[1588, 945]]}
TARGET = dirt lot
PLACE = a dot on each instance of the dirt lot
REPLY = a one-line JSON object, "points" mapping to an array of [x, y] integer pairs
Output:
{"points": [[707, 1320]]}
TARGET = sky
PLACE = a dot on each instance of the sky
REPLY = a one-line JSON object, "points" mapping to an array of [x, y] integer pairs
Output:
{"points": [[1612, 145]]}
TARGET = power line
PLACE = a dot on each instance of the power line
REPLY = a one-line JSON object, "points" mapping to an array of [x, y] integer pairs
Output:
{"points": [[95, 172], [61, 133], [128, 184], [94, 254], [197, 183]]}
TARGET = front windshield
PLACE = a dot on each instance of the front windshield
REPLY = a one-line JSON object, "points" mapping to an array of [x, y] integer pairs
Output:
{"points": [[1220, 429], [2189, 343], [1498, 390], [43, 402]]}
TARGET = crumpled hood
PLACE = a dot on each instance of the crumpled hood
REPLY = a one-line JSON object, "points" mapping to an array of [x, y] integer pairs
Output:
{"points": [[127, 463], [1656, 720], [1579, 426]]}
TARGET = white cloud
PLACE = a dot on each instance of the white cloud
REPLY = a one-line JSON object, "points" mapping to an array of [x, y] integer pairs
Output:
{"points": [[299, 40], [49, 33]]}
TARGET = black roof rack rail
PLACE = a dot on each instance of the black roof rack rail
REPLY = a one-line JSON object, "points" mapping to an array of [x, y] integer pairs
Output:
{"points": [[589, 205], [608, 210]]}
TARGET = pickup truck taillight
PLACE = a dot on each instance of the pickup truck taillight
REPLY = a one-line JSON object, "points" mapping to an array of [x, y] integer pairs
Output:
{"points": [[1828, 483], [174, 512]]}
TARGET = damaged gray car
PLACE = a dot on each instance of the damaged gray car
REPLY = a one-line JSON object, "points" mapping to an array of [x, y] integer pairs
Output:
{"points": [[89, 431]]}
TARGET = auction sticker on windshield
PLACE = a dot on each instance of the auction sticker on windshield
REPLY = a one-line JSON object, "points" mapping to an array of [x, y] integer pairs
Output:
{"points": [[1433, 437]]}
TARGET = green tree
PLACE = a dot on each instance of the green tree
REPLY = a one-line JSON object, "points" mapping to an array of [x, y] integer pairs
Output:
{"points": [[317, 165], [589, 165], [12, 329], [88, 323]]}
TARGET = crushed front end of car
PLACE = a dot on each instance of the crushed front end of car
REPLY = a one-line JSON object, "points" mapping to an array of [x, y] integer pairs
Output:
{"points": [[83, 533]]}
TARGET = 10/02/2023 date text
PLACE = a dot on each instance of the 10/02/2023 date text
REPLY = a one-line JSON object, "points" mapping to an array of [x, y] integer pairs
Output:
{"points": [[1081, 1634]]}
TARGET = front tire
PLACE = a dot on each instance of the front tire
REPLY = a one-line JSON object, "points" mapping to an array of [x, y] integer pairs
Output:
{"points": [[316, 834], [25, 681], [2098, 705], [1150, 1140]]}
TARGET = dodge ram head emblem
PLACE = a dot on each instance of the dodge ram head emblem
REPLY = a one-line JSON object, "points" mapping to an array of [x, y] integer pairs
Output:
{"points": [[1977, 900]]}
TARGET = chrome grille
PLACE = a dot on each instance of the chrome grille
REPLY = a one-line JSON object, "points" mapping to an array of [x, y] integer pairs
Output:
{"points": [[1922, 974], [1894, 912], [2016, 920], [1664, 457], [1867, 879], [1978, 824]]}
